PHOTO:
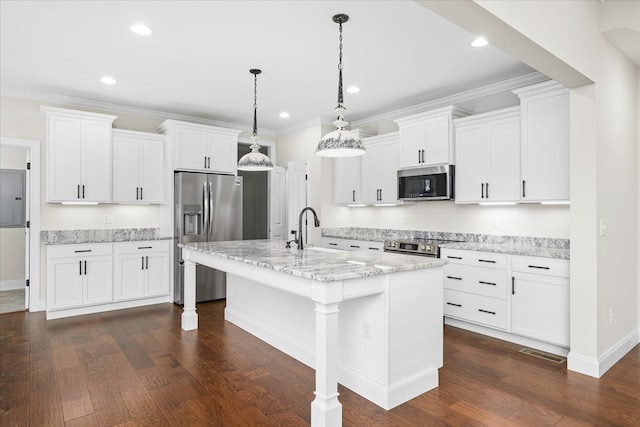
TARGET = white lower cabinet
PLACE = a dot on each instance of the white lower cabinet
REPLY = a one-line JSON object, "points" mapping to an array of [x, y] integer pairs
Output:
{"points": [[141, 269], [89, 278], [79, 275], [475, 287], [351, 245], [520, 295], [540, 299]]}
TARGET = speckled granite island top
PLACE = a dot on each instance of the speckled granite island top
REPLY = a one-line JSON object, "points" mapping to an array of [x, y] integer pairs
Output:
{"points": [[323, 265]]}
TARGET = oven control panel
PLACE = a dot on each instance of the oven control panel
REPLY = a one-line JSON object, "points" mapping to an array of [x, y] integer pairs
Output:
{"points": [[411, 247]]}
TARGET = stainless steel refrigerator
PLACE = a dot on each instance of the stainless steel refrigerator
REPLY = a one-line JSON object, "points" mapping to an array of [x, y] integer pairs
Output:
{"points": [[208, 208]]}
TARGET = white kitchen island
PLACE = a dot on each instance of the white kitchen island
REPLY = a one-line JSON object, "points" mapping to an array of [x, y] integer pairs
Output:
{"points": [[370, 321]]}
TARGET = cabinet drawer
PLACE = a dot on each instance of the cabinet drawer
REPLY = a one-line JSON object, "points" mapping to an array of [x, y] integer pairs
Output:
{"points": [[357, 245], [332, 243], [480, 259], [481, 281], [93, 249], [142, 246], [476, 308], [544, 266]]}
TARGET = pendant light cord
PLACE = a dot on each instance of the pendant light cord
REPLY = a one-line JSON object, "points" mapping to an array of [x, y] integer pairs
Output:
{"points": [[255, 105], [340, 99]]}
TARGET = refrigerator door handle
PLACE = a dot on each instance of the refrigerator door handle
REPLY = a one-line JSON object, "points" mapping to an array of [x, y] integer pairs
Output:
{"points": [[210, 208], [205, 205]]}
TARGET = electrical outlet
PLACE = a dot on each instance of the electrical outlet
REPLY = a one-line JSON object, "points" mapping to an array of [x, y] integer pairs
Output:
{"points": [[403, 219], [108, 219], [603, 227], [366, 329], [495, 223], [611, 316]]}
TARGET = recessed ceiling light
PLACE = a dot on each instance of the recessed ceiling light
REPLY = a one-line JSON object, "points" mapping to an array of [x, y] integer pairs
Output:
{"points": [[284, 115], [353, 89], [141, 29], [479, 42], [108, 80]]}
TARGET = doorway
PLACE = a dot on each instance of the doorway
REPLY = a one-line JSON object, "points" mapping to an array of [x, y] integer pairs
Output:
{"points": [[20, 230], [255, 199]]}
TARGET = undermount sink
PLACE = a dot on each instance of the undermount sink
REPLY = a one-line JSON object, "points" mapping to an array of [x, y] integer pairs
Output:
{"points": [[321, 249]]}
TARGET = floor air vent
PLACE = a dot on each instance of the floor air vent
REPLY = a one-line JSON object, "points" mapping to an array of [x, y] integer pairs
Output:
{"points": [[542, 355]]}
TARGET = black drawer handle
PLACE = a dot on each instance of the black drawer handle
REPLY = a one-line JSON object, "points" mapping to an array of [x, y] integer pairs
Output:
{"points": [[84, 250], [487, 311], [486, 283], [454, 257], [487, 260], [538, 266], [355, 246], [454, 278], [333, 244], [145, 247], [375, 249], [455, 305]]}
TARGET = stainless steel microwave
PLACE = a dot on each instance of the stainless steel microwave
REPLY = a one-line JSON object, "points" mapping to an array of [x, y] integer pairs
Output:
{"points": [[428, 183]]}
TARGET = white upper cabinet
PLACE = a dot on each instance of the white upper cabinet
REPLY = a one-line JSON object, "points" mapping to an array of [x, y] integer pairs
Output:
{"points": [[427, 138], [347, 182], [138, 167], [487, 157], [380, 169], [545, 142], [78, 156], [202, 148]]}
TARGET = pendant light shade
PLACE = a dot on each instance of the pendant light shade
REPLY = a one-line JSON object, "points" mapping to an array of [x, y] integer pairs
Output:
{"points": [[255, 160], [340, 142]]}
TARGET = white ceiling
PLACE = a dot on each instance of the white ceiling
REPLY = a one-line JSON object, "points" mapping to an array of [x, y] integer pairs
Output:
{"points": [[197, 60]]}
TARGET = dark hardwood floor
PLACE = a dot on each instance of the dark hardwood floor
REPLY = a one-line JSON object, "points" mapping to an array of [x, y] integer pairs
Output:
{"points": [[138, 368]]}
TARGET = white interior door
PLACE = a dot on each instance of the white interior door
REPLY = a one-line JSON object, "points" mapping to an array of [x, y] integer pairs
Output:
{"points": [[277, 200], [296, 194]]}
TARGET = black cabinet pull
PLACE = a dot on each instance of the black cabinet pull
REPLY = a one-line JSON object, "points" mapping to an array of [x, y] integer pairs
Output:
{"points": [[147, 262], [487, 311], [454, 278], [375, 249], [513, 285], [487, 260], [354, 246], [85, 268], [419, 157], [523, 185], [205, 162], [80, 263], [140, 193], [538, 266], [454, 257], [141, 263], [354, 195], [83, 251], [83, 191], [78, 191], [145, 247], [455, 305], [487, 190], [333, 244], [137, 193], [486, 283], [482, 190]]}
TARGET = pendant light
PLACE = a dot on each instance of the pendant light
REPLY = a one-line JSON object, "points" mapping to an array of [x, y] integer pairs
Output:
{"points": [[340, 142], [255, 160]]}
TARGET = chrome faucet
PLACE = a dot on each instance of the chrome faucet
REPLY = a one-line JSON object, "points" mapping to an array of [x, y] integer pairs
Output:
{"points": [[316, 223]]}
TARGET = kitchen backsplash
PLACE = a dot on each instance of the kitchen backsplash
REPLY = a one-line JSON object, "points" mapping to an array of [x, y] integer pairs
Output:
{"points": [[381, 234]]}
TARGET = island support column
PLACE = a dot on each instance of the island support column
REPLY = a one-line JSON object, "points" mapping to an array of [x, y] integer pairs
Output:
{"points": [[189, 314], [326, 409]]}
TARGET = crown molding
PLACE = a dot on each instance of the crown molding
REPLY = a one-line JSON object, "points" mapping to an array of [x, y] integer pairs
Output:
{"points": [[69, 101], [506, 85]]}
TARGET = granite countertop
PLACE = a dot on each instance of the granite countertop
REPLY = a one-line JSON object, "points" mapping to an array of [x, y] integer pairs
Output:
{"points": [[112, 235], [323, 265], [509, 249]]}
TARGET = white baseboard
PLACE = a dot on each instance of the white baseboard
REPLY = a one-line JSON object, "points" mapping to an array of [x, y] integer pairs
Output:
{"points": [[598, 367], [383, 396], [508, 336], [78, 311], [11, 285]]}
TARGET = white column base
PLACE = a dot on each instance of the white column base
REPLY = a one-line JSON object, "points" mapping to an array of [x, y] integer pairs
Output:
{"points": [[326, 411], [190, 320], [189, 315]]}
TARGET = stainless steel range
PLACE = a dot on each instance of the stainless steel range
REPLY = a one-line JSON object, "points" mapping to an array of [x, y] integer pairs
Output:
{"points": [[422, 247]]}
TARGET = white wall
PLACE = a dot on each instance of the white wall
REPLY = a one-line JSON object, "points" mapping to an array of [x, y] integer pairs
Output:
{"points": [[604, 160], [12, 240]]}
